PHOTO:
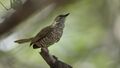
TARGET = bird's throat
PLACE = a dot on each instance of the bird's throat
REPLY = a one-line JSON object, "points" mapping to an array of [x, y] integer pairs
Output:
{"points": [[58, 24], [54, 24]]}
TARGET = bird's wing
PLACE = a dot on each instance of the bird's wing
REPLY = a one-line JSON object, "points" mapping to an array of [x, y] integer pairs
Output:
{"points": [[42, 34]]}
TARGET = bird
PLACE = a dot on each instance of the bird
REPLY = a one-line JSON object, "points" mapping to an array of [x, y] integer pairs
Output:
{"points": [[48, 35]]}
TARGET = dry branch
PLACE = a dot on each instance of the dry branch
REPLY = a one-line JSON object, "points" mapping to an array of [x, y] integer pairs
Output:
{"points": [[52, 60]]}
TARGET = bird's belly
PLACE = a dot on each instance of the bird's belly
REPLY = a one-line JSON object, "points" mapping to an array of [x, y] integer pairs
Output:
{"points": [[51, 38]]}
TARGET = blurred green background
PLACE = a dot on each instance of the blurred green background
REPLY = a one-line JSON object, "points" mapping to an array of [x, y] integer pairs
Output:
{"points": [[90, 38]]}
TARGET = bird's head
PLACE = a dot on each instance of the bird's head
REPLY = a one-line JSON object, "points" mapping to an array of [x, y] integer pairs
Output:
{"points": [[60, 18]]}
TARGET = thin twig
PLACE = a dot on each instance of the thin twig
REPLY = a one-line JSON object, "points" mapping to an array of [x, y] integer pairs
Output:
{"points": [[3, 5]]}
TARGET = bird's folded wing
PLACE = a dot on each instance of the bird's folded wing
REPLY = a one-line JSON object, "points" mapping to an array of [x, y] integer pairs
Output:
{"points": [[42, 34]]}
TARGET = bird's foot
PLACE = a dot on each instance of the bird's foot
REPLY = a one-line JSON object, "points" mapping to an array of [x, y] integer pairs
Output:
{"points": [[45, 49]]}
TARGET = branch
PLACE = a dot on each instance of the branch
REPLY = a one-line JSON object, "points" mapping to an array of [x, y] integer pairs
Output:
{"points": [[52, 60], [21, 14]]}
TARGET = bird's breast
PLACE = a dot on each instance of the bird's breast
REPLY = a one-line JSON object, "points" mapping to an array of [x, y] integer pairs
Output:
{"points": [[52, 37], [56, 34]]}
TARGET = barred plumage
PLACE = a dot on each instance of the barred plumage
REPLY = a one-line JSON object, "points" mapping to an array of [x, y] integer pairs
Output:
{"points": [[48, 35], [52, 37]]}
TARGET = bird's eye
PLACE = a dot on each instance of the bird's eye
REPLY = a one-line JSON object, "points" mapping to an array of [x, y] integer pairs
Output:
{"points": [[60, 15], [59, 18]]}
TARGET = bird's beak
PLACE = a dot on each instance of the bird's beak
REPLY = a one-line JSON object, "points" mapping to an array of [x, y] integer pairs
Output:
{"points": [[66, 14]]}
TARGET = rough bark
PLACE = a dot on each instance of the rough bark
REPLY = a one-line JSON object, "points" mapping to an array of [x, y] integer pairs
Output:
{"points": [[52, 60]]}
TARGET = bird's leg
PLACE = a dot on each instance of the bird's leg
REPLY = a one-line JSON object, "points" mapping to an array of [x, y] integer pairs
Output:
{"points": [[45, 49], [42, 46]]}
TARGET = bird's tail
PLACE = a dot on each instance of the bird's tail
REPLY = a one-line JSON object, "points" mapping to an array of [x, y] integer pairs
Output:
{"points": [[23, 40]]}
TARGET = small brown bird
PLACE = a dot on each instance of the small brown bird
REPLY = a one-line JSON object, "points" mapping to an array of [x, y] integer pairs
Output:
{"points": [[48, 35]]}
